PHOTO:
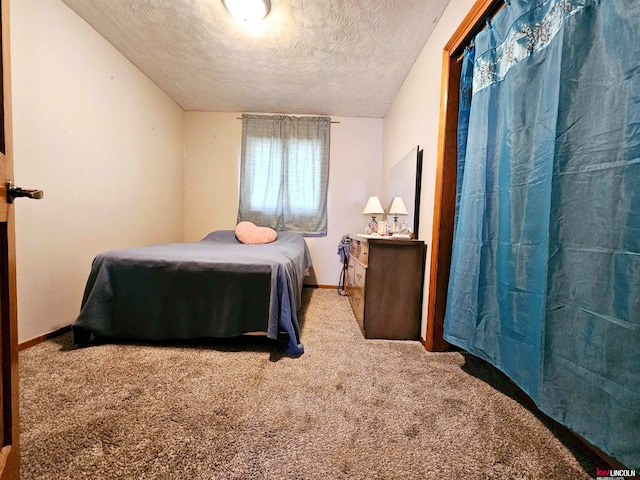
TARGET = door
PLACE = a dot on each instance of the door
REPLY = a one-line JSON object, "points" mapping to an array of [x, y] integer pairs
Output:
{"points": [[9, 425]]}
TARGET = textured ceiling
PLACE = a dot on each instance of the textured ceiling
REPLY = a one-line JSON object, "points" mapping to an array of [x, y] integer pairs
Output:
{"points": [[330, 57]]}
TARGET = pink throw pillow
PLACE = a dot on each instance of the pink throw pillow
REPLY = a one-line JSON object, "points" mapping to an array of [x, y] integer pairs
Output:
{"points": [[249, 232]]}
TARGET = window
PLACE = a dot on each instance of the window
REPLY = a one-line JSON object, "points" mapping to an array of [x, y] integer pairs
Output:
{"points": [[284, 172]]}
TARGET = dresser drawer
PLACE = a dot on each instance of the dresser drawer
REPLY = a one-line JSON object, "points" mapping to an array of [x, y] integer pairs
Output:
{"points": [[364, 253], [354, 250], [359, 276], [360, 251], [357, 305], [351, 272]]}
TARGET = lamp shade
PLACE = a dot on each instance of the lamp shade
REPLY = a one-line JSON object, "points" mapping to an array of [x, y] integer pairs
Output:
{"points": [[373, 207], [248, 11], [397, 207]]}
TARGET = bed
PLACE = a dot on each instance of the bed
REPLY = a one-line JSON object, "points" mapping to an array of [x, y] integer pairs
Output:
{"points": [[217, 287]]}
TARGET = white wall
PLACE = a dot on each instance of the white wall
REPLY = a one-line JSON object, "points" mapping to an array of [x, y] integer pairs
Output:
{"points": [[212, 170], [212, 175], [413, 119], [104, 143], [354, 176]]}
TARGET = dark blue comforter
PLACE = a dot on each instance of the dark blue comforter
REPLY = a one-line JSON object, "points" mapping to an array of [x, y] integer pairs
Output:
{"points": [[217, 287]]}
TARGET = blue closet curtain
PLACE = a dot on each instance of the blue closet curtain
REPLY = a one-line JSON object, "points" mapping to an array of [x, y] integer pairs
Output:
{"points": [[466, 85], [545, 272]]}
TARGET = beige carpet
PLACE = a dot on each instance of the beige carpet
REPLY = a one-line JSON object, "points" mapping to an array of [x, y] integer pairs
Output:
{"points": [[349, 408]]}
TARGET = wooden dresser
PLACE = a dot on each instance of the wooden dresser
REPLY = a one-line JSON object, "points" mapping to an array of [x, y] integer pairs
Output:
{"points": [[384, 283]]}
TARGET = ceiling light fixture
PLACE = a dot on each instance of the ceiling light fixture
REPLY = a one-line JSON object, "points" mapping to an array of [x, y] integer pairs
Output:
{"points": [[248, 11]]}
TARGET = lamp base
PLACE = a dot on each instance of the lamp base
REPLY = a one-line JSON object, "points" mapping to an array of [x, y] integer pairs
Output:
{"points": [[373, 225]]}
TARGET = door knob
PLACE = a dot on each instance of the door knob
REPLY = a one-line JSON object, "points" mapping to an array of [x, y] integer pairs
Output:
{"points": [[14, 192]]}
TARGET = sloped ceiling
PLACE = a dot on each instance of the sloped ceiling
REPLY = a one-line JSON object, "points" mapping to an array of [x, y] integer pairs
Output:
{"points": [[330, 57]]}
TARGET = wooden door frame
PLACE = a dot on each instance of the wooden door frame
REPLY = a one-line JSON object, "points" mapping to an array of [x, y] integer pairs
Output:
{"points": [[446, 170], [9, 454]]}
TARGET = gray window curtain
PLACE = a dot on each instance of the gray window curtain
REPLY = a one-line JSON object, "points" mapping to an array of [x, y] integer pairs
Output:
{"points": [[284, 172]]}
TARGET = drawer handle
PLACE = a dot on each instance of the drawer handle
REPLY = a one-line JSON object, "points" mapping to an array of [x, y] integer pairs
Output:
{"points": [[359, 276], [357, 300]]}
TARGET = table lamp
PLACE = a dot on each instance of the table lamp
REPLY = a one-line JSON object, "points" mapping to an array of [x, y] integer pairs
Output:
{"points": [[397, 207], [373, 208]]}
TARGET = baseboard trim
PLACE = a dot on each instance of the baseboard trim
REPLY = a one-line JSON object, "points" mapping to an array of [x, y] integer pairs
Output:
{"points": [[42, 338]]}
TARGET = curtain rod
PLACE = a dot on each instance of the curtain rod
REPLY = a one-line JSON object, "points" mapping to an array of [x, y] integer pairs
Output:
{"points": [[240, 118], [507, 3]]}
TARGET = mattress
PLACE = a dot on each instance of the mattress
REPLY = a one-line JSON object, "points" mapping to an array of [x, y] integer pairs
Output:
{"points": [[217, 287]]}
